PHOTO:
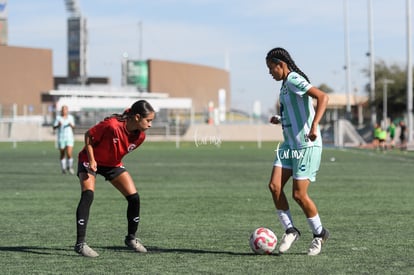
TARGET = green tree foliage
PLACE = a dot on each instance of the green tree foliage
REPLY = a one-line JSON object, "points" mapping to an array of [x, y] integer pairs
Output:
{"points": [[396, 92], [324, 87]]}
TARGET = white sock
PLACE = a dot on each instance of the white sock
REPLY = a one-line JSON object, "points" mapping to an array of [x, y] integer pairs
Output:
{"points": [[285, 218], [70, 163], [63, 164], [315, 224]]}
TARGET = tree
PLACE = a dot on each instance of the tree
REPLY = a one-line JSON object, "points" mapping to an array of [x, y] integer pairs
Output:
{"points": [[396, 92], [324, 87]]}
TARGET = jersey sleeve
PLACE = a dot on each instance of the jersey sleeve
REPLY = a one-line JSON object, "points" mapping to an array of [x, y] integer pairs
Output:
{"points": [[300, 84]]}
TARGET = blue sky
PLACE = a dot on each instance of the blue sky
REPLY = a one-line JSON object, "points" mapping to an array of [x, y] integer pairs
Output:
{"points": [[209, 32]]}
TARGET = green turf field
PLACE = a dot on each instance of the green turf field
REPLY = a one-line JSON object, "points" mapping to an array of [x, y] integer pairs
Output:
{"points": [[198, 208]]}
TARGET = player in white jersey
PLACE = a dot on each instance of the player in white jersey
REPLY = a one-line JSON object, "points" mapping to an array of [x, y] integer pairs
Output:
{"points": [[64, 124], [300, 154]]}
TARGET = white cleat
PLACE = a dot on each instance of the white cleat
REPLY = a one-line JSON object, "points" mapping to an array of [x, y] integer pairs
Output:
{"points": [[317, 242], [289, 237], [135, 245], [84, 250]]}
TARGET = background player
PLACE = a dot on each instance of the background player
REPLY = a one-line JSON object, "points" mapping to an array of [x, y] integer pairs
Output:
{"points": [[64, 124]]}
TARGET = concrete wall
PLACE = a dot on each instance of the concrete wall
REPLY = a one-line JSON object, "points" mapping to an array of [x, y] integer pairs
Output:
{"points": [[25, 132], [199, 134], [245, 132]]}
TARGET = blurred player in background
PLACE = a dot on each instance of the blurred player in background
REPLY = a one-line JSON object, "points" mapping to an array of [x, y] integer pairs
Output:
{"points": [[377, 133], [391, 130], [64, 124], [403, 137], [300, 154], [106, 144]]}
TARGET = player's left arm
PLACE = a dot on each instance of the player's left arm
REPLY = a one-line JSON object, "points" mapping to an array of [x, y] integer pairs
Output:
{"points": [[72, 122], [321, 103]]}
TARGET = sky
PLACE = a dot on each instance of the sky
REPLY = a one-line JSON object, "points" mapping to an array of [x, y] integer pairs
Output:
{"points": [[226, 34]]}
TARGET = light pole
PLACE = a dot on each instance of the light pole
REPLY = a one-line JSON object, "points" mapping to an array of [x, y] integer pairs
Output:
{"points": [[371, 65], [140, 40], [385, 83], [409, 75], [347, 62]]}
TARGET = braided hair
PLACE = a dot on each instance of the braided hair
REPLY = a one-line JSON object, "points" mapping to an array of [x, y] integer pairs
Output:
{"points": [[140, 107], [279, 54]]}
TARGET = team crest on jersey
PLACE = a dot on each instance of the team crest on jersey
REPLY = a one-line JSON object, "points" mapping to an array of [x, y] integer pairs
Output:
{"points": [[302, 85], [131, 147]]}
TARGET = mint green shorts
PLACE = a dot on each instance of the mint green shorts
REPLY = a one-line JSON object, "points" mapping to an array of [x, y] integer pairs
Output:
{"points": [[304, 163], [63, 143]]}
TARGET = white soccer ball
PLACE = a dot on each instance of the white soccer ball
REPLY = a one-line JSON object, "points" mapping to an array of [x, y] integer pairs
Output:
{"points": [[263, 241]]}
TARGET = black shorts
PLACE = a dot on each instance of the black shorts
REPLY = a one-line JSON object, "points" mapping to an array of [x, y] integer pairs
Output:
{"points": [[109, 173]]}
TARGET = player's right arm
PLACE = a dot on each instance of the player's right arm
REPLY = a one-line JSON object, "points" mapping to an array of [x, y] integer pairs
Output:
{"points": [[321, 104], [57, 123], [89, 151]]}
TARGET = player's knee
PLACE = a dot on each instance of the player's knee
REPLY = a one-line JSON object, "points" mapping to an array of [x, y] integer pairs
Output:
{"points": [[133, 200], [274, 188], [298, 197], [87, 197]]}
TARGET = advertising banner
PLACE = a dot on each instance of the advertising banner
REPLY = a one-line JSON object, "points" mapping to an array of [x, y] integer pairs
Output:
{"points": [[137, 74], [74, 47]]}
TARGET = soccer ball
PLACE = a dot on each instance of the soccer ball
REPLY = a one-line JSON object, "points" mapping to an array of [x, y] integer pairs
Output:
{"points": [[263, 241]]}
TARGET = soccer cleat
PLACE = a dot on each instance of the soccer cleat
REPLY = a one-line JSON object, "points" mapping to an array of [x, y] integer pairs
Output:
{"points": [[291, 235], [71, 171], [317, 242], [84, 250], [135, 244]]}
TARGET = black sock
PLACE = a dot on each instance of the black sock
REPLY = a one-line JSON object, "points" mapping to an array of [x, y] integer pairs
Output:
{"points": [[133, 214], [82, 215], [323, 232]]}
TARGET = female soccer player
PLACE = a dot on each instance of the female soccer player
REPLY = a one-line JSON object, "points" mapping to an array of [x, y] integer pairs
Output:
{"points": [[105, 145], [65, 123], [300, 154], [403, 138]]}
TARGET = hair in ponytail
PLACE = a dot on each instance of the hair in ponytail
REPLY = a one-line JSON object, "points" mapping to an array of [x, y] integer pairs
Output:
{"points": [[140, 107], [279, 54]]}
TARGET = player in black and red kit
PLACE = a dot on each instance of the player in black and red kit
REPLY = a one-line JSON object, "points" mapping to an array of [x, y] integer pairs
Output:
{"points": [[106, 144]]}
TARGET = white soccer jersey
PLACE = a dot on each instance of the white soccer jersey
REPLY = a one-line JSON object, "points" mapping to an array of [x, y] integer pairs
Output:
{"points": [[297, 112], [65, 132]]}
